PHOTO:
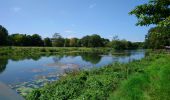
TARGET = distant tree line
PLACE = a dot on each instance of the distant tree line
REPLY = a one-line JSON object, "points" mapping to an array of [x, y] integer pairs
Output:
{"points": [[58, 41]]}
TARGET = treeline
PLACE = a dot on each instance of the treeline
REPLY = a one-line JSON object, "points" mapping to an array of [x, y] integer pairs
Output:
{"points": [[58, 41]]}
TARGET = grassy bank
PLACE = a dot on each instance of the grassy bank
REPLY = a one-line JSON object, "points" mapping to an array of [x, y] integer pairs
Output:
{"points": [[28, 51], [139, 80]]}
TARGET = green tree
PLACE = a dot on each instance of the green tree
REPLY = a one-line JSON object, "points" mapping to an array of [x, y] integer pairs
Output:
{"points": [[105, 42], [165, 23], [3, 35], [57, 40], [85, 41], [92, 41], [47, 42], [95, 41], [73, 42], [66, 42], [17, 39], [154, 12], [158, 38], [36, 40]]}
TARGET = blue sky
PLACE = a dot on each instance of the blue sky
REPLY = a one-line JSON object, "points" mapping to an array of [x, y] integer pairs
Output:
{"points": [[72, 18]]}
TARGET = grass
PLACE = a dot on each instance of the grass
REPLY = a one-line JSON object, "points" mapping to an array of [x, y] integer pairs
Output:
{"points": [[146, 79], [8, 51], [152, 84]]}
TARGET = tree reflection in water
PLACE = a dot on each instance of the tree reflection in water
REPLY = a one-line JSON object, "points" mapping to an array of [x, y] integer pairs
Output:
{"points": [[93, 58], [3, 63]]}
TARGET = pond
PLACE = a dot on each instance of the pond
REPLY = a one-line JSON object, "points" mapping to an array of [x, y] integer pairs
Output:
{"points": [[25, 73]]}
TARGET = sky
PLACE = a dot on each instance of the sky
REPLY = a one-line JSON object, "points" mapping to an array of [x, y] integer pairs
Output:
{"points": [[72, 18]]}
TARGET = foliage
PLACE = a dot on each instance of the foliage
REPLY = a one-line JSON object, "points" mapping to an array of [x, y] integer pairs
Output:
{"points": [[3, 35], [36, 40], [165, 23], [158, 38], [153, 12], [47, 42], [57, 40], [29, 51], [124, 45], [73, 42], [25, 40], [152, 84], [113, 81]]}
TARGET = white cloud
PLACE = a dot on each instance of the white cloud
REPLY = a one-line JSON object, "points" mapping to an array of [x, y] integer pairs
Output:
{"points": [[68, 31], [16, 9], [92, 5]]}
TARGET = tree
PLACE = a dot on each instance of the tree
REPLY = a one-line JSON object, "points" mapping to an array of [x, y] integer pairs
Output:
{"points": [[73, 42], [92, 41], [95, 41], [105, 42], [36, 40], [118, 44], [16, 39], [165, 23], [85, 41], [47, 42], [66, 42], [3, 35], [57, 40], [154, 12], [158, 38]]}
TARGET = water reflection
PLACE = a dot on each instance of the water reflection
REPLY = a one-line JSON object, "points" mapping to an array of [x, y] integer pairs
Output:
{"points": [[86, 59], [32, 71], [91, 57], [3, 63]]}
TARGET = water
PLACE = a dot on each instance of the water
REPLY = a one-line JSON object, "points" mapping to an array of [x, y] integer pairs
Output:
{"points": [[25, 73]]}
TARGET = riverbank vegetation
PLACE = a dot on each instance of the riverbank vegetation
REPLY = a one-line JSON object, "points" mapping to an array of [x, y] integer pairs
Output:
{"points": [[143, 79], [5, 51], [146, 79]]}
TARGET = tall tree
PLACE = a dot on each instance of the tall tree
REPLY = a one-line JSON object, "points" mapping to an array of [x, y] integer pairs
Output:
{"points": [[158, 38], [47, 42], [3, 35], [95, 41], [36, 40], [92, 41], [57, 40], [154, 12], [85, 41], [16, 39], [73, 42]]}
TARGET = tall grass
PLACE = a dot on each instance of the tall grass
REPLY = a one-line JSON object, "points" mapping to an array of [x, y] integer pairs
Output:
{"points": [[152, 84], [41, 50]]}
